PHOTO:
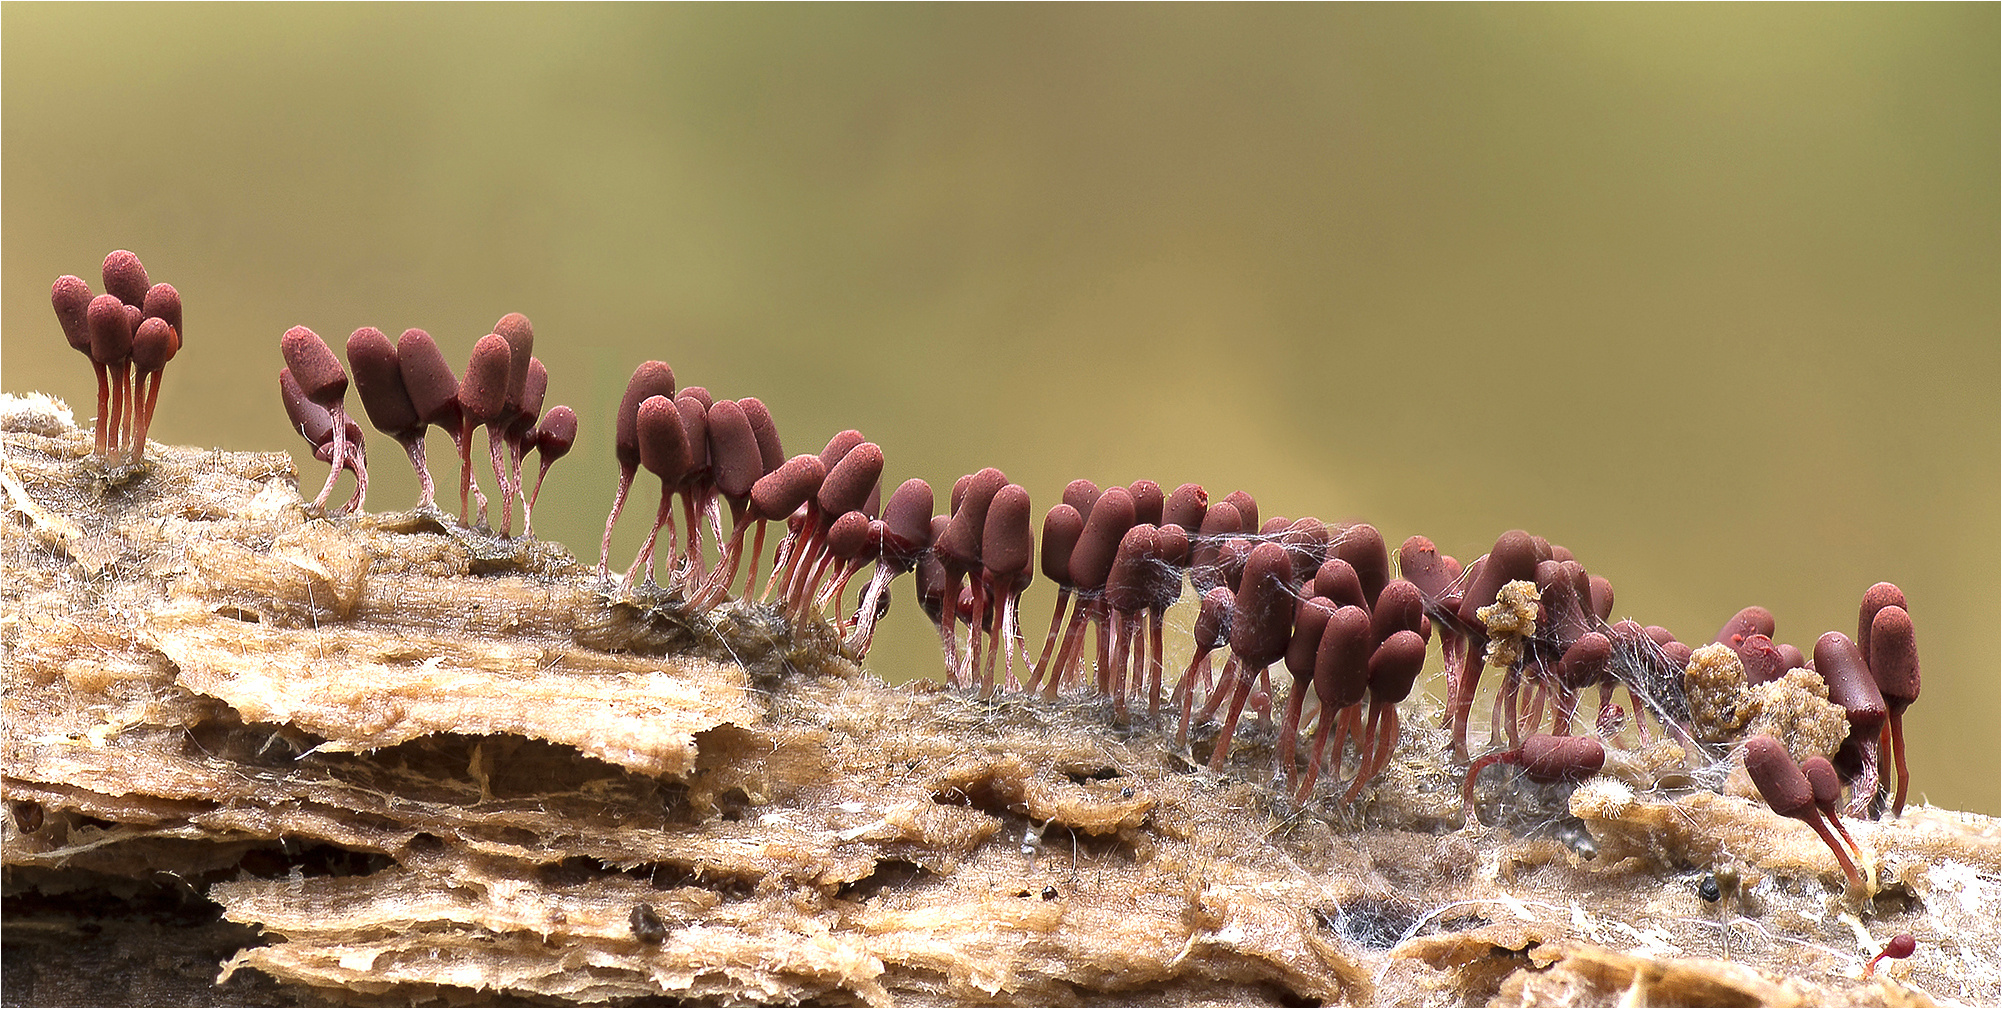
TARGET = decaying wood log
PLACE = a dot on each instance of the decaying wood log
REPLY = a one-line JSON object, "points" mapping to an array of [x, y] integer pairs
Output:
{"points": [[425, 762]]}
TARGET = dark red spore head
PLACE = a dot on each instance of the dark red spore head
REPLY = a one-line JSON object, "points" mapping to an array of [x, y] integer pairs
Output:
{"points": [[557, 433], [848, 484], [695, 427], [1850, 684], [311, 420], [1081, 495], [1745, 623], [483, 392], [1418, 560], [1263, 619], [733, 450], [71, 298], [1894, 657], [313, 363], [532, 393], [908, 521], [699, 394], [838, 447], [771, 452], [520, 336], [1824, 783], [1363, 547], [125, 278], [1336, 579], [848, 535], [1091, 561], [1562, 758], [152, 346], [1148, 502], [379, 382], [650, 379], [1400, 607], [1602, 596], [1164, 578], [1586, 662], [1780, 781], [1219, 522], [1310, 620], [1513, 559], [1875, 598], [663, 441], [1061, 529], [1007, 544], [1306, 543], [1247, 508], [779, 493], [1394, 667], [1764, 662], [433, 389], [1212, 629], [163, 302], [1341, 664], [111, 331], [1187, 507], [1126, 584]]}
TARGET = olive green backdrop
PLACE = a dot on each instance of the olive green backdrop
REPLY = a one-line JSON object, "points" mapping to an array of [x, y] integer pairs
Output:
{"points": [[1708, 294]]}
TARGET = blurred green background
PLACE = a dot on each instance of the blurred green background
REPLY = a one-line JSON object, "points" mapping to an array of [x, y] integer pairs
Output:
{"points": [[1708, 294]]}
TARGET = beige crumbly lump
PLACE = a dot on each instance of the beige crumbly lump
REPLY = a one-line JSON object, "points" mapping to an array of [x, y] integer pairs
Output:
{"points": [[425, 764], [1510, 621], [1795, 710], [1715, 683]]}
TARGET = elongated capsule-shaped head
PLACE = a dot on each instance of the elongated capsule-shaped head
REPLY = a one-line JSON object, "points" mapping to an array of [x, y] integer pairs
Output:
{"points": [[839, 446], [152, 346], [111, 330], [125, 279], [1310, 619], [695, 427], [520, 336], [71, 298], [313, 363], [1164, 576], [1399, 607], [1081, 495], [1091, 561], [908, 521], [311, 420], [1513, 559], [1588, 661], [1148, 502], [1007, 545], [1745, 623], [1562, 758], [1849, 681], [1875, 598], [699, 394], [1126, 588], [1419, 562], [1061, 529], [1779, 780], [1341, 663], [1894, 657], [1763, 660], [163, 302], [483, 392], [1306, 543], [849, 482], [1824, 783], [433, 389], [771, 453], [733, 450], [1394, 667], [848, 535], [663, 441], [1247, 508], [779, 493], [1602, 597], [1336, 579], [1187, 507], [532, 392], [1219, 522], [1263, 620], [557, 433], [961, 544], [379, 382], [650, 379], [1363, 547], [1212, 629]]}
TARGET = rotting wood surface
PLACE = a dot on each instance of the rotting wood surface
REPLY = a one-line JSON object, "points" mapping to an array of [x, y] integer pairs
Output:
{"points": [[429, 763]]}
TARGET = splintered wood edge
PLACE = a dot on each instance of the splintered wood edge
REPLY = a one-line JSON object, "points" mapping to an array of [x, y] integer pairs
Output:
{"points": [[361, 692]]}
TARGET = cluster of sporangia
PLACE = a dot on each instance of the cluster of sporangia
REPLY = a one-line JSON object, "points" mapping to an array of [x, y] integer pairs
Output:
{"points": [[129, 333], [1320, 598]]}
